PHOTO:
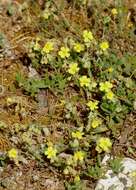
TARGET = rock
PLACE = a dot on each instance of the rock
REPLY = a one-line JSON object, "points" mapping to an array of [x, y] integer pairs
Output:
{"points": [[110, 183], [120, 181], [53, 184], [134, 104], [64, 155], [129, 165], [46, 131], [106, 159], [1, 169], [33, 73]]}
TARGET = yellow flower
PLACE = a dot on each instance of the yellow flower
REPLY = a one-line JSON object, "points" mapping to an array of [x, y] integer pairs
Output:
{"points": [[104, 46], [79, 156], [78, 47], [105, 86], [66, 171], [96, 122], [70, 160], [104, 144], [48, 47], [46, 14], [133, 173], [10, 101], [13, 153], [64, 52], [114, 11], [88, 36], [73, 68], [93, 84], [62, 102], [92, 105], [84, 2], [84, 81], [109, 95], [77, 134], [110, 70], [130, 25], [50, 152], [77, 179], [36, 46]]}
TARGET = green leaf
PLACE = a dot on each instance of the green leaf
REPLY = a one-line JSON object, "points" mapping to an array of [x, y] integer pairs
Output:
{"points": [[95, 172], [116, 165], [108, 107]]}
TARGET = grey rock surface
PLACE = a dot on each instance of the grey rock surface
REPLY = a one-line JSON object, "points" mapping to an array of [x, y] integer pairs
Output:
{"points": [[124, 180]]}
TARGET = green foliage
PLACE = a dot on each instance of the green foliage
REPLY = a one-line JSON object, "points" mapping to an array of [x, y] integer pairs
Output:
{"points": [[95, 172], [2, 160], [11, 9], [32, 86], [116, 165]]}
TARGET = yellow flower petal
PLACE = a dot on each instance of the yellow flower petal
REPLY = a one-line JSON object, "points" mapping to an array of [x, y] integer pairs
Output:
{"points": [[50, 152], [48, 47], [77, 135], [88, 36], [46, 14], [13, 153], [73, 68], [78, 47], [64, 52], [104, 46], [105, 86], [109, 95], [84, 81], [110, 70], [92, 105], [79, 156], [104, 144], [96, 122], [114, 11]]}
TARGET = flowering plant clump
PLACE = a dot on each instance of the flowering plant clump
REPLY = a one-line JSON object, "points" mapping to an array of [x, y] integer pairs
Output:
{"points": [[82, 83]]}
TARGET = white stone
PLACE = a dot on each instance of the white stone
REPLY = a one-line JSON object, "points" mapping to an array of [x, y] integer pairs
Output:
{"points": [[120, 181], [33, 73], [129, 165], [112, 182], [105, 159], [126, 179]]}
